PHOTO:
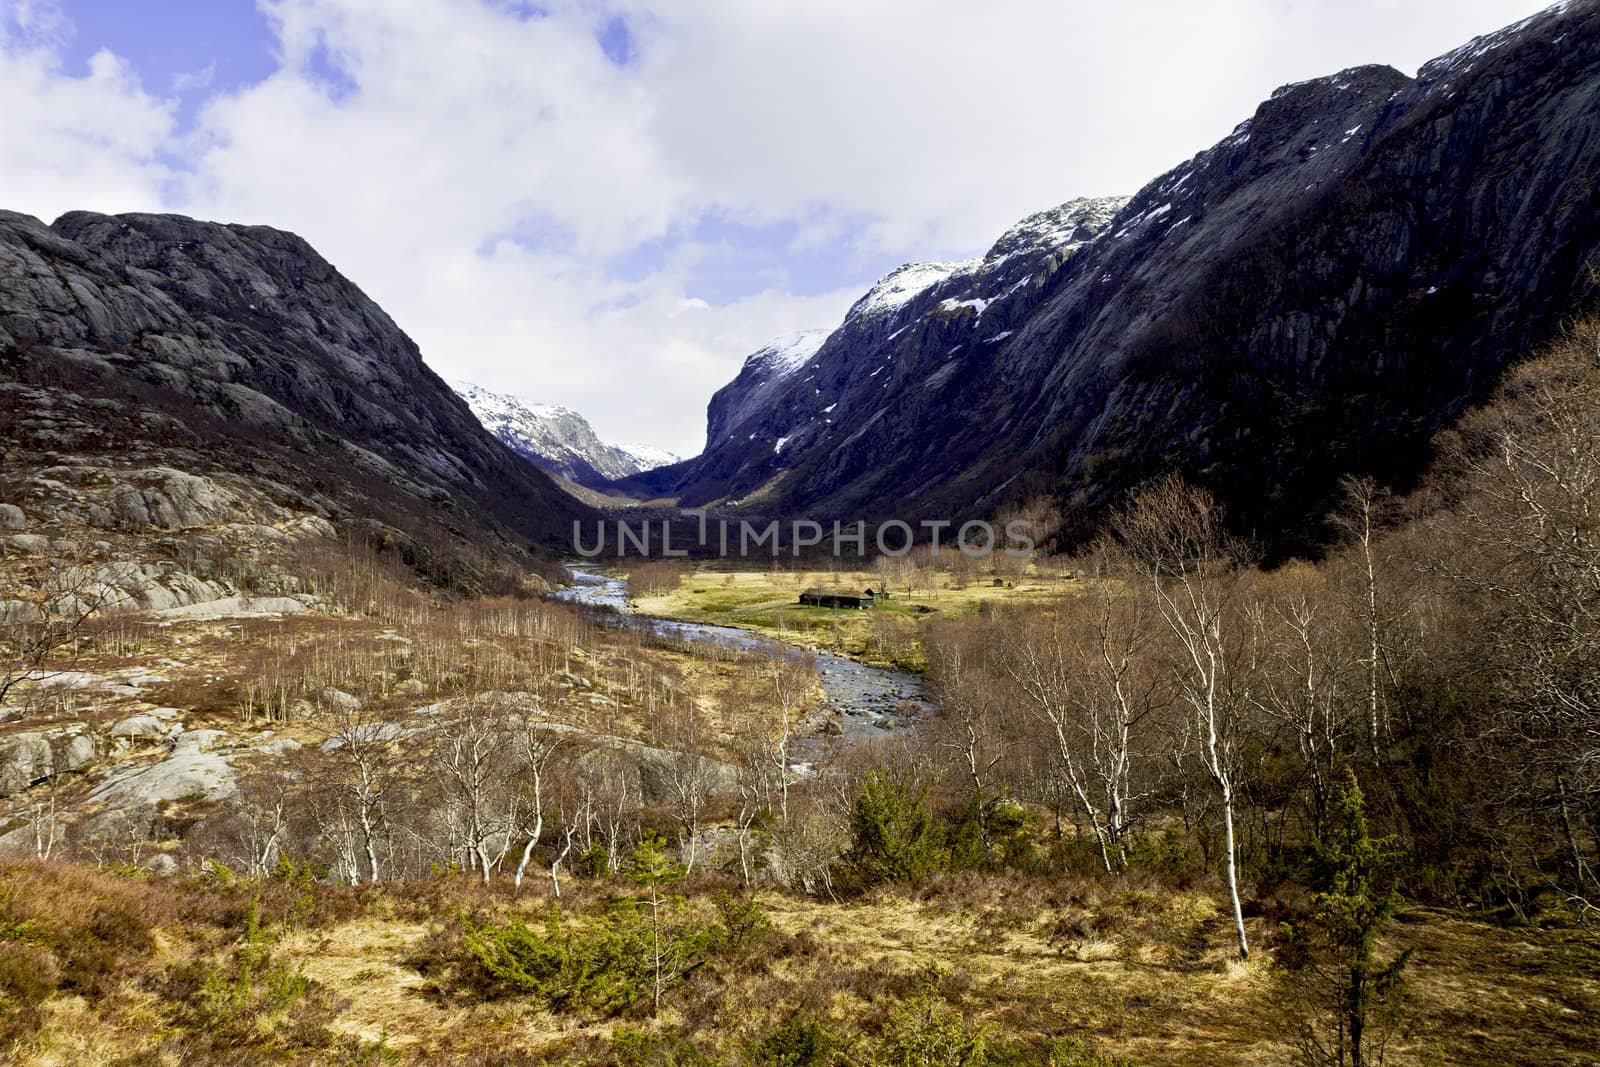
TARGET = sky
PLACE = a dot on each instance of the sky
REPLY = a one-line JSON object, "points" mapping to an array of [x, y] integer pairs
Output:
{"points": [[608, 205]]}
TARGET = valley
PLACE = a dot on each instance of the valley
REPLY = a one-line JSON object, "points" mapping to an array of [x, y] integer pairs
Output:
{"points": [[860, 699], [1266, 729]]}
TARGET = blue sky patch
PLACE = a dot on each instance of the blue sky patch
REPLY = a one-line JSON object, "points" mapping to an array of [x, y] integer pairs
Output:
{"points": [[182, 49]]}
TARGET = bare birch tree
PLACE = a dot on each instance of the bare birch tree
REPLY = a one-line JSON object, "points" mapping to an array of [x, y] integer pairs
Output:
{"points": [[1174, 535]]}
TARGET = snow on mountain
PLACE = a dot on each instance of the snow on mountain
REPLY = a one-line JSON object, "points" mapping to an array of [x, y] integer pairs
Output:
{"points": [[1062, 229], [763, 374], [649, 457], [558, 439], [791, 353], [903, 284]]}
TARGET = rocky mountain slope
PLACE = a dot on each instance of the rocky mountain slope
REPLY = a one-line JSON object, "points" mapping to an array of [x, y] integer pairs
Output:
{"points": [[558, 440], [764, 373], [778, 398], [1318, 293], [158, 350]]}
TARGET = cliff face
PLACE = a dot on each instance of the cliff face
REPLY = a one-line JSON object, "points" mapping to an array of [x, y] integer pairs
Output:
{"points": [[160, 339], [1317, 294]]}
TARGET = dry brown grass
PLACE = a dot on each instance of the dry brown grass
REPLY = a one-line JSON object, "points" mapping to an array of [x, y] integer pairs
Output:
{"points": [[1147, 973]]}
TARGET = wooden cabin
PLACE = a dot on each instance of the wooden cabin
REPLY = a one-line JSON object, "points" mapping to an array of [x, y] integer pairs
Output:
{"points": [[828, 598]]}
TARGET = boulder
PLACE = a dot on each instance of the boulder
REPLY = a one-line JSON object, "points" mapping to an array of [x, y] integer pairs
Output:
{"points": [[193, 771], [76, 753], [339, 701], [24, 760], [369, 733], [28, 544], [171, 500], [149, 586], [20, 613], [161, 864], [198, 741], [410, 688], [12, 518], [140, 728]]}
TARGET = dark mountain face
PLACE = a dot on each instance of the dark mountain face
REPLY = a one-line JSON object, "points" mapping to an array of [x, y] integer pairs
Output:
{"points": [[1317, 294], [238, 348]]}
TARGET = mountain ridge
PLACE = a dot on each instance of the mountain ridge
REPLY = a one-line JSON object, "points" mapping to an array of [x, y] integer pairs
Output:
{"points": [[1315, 295]]}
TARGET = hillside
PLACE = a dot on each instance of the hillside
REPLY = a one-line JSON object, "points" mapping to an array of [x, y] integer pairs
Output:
{"points": [[136, 346]]}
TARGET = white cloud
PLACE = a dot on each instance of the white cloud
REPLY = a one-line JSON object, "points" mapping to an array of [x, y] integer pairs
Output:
{"points": [[480, 173], [943, 122], [90, 141]]}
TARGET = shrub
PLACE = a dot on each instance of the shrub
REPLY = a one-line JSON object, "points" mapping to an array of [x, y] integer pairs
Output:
{"points": [[924, 1031], [597, 966], [799, 1041], [1168, 855], [634, 1048], [894, 836], [252, 994], [1349, 1000], [1075, 1052], [743, 922], [637, 948]]}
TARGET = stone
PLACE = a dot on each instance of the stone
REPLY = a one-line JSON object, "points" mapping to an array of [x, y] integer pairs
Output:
{"points": [[191, 771], [337, 700], [12, 518], [29, 544], [140, 728], [410, 688], [20, 613], [77, 753], [172, 499], [161, 865], [24, 760]]}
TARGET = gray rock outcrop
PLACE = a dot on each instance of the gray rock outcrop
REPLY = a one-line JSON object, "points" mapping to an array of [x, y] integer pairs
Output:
{"points": [[27, 759]]}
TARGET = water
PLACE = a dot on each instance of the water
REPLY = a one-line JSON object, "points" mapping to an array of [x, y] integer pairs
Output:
{"points": [[868, 700]]}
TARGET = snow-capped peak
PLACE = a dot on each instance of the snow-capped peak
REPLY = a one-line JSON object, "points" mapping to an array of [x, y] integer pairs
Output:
{"points": [[649, 456], [558, 439]]}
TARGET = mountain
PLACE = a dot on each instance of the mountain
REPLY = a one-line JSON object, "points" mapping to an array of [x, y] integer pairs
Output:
{"points": [[764, 373], [1317, 294], [144, 358], [558, 440], [752, 420]]}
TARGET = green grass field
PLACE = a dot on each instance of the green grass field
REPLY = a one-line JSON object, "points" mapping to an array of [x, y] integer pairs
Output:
{"points": [[887, 634]]}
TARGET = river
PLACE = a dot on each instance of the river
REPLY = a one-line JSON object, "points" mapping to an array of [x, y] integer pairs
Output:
{"points": [[864, 701]]}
